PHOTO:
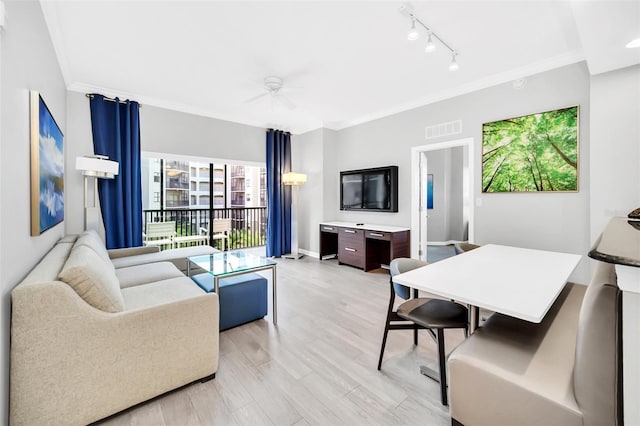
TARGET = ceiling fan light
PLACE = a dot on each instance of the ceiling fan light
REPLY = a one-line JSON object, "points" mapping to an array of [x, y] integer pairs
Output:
{"points": [[430, 45], [453, 66], [413, 32], [633, 43]]}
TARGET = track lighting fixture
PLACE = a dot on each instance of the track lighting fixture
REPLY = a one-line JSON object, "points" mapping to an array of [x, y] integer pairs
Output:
{"points": [[407, 10], [453, 66], [430, 45], [413, 32]]}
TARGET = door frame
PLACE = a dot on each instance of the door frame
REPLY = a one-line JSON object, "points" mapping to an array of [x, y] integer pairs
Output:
{"points": [[416, 151]]}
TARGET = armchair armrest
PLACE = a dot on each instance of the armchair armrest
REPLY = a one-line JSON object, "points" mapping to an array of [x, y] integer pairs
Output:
{"points": [[204, 231], [132, 251]]}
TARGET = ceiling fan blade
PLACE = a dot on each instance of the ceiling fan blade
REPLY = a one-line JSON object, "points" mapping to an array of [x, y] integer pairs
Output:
{"points": [[255, 98], [286, 101]]}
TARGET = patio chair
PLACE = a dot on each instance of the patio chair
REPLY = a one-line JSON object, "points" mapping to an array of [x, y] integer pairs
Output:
{"points": [[159, 234], [220, 229]]}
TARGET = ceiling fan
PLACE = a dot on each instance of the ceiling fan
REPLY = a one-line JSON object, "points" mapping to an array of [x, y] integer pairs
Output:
{"points": [[274, 86]]}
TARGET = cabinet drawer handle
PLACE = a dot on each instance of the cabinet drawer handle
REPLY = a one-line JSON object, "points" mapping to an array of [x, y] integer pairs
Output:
{"points": [[326, 228], [375, 234], [349, 231], [349, 249]]}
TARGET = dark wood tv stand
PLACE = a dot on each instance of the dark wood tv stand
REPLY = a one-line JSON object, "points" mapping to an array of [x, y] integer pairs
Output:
{"points": [[364, 246]]}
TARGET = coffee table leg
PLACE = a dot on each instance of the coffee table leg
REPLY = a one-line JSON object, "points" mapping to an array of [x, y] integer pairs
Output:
{"points": [[275, 297], [216, 285]]}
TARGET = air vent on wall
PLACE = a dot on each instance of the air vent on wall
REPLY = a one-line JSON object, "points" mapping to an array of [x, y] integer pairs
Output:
{"points": [[443, 129]]}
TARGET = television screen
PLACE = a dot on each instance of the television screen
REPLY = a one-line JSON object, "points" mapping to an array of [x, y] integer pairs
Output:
{"points": [[376, 188], [370, 189], [352, 191]]}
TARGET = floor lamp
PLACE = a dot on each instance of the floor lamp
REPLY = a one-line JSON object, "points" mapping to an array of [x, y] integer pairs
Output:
{"points": [[294, 180], [96, 167]]}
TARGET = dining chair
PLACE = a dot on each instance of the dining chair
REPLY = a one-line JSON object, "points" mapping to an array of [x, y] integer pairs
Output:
{"points": [[460, 248], [416, 313]]}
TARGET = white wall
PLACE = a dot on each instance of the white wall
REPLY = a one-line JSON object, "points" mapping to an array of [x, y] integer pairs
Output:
{"points": [[551, 221], [615, 146], [28, 63]]}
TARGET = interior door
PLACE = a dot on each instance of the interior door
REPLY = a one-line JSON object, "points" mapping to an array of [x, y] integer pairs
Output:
{"points": [[423, 212]]}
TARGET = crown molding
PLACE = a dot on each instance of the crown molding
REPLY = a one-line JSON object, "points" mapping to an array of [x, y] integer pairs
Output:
{"points": [[494, 80], [50, 13], [176, 106]]}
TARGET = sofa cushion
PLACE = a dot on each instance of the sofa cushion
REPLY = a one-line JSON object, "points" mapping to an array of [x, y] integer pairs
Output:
{"points": [[527, 366], [144, 274], [160, 293], [92, 279], [176, 256], [596, 377], [94, 242]]}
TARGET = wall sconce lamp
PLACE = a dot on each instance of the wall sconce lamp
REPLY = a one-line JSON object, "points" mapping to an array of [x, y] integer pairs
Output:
{"points": [[96, 167]]}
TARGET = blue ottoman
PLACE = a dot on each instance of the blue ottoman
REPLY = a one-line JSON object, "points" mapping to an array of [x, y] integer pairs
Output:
{"points": [[243, 298]]}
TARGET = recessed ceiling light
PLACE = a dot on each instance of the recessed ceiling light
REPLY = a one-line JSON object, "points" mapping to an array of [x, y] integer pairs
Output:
{"points": [[633, 43]]}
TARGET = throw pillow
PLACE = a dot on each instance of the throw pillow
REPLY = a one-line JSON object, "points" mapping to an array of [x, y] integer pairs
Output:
{"points": [[92, 279]]}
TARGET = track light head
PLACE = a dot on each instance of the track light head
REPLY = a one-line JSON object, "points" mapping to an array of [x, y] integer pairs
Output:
{"points": [[413, 32], [430, 45], [453, 66]]}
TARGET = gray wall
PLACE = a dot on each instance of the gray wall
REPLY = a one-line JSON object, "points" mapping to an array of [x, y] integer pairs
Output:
{"points": [[615, 146], [28, 63], [552, 221], [306, 157], [161, 131]]}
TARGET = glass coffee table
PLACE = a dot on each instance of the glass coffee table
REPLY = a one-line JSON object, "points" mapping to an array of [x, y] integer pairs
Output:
{"points": [[230, 263]]}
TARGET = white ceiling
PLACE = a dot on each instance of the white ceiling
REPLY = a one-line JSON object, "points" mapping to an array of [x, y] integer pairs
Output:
{"points": [[351, 60]]}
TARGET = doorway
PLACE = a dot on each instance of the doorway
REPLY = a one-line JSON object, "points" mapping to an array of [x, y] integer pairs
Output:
{"points": [[448, 212]]}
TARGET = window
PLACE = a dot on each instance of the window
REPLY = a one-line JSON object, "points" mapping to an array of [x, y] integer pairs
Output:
{"points": [[156, 197], [156, 177]]}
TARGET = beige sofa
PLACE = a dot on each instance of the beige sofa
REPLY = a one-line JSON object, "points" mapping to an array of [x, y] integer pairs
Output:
{"points": [[565, 371], [89, 339]]}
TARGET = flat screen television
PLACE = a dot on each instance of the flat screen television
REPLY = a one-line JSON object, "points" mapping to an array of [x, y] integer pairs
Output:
{"points": [[370, 189]]}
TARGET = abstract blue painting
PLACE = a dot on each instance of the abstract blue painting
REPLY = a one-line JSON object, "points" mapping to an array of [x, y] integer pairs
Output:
{"points": [[429, 191], [47, 168]]}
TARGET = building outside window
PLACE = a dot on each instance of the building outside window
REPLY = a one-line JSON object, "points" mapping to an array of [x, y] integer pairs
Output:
{"points": [[186, 185]]}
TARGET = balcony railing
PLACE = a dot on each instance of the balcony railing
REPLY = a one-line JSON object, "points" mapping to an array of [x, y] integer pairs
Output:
{"points": [[248, 224]]}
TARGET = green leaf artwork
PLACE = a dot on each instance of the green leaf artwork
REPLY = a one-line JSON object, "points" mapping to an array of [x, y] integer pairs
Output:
{"points": [[537, 152]]}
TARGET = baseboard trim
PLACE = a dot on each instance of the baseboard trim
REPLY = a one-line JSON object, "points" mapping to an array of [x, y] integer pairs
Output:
{"points": [[444, 243], [309, 253]]}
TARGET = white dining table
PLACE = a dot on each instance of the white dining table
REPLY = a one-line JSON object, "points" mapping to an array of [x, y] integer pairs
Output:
{"points": [[519, 282]]}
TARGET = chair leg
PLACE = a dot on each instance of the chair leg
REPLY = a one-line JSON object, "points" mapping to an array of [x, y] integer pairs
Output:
{"points": [[443, 366], [415, 336], [392, 299]]}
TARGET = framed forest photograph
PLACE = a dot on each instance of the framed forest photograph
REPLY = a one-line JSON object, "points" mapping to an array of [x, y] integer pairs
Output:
{"points": [[532, 153]]}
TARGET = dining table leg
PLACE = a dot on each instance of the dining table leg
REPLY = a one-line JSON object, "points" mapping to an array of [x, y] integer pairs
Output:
{"points": [[474, 318]]}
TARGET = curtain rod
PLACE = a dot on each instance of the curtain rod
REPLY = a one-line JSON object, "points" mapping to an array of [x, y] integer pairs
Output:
{"points": [[270, 128], [90, 96]]}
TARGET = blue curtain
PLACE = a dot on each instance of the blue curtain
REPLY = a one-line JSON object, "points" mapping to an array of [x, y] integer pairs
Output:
{"points": [[116, 134], [278, 195]]}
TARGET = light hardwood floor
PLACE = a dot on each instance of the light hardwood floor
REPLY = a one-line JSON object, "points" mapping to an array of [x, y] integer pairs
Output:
{"points": [[318, 366]]}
